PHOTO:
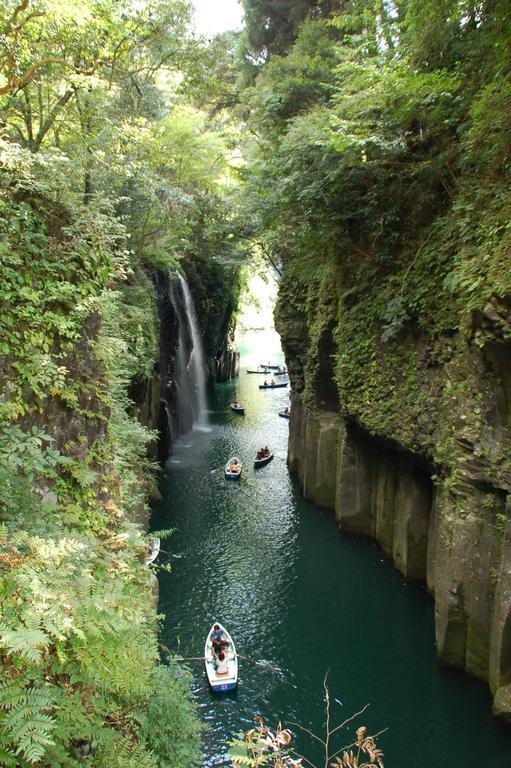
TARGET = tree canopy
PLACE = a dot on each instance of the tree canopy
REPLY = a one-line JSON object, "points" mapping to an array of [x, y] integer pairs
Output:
{"points": [[360, 148]]}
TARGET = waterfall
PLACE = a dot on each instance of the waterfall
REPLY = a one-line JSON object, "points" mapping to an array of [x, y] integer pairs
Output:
{"points": [[196, 365], [181, 363]]}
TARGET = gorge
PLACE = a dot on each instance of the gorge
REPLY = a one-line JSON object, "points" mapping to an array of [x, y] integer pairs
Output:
{"points": [[358, 154]]}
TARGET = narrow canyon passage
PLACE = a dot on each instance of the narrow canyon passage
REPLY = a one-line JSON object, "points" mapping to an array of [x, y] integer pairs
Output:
{"points": [[305, 601]]}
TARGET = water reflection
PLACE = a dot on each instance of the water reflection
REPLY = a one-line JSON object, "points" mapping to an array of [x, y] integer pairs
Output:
{"points": [[301, 600]]}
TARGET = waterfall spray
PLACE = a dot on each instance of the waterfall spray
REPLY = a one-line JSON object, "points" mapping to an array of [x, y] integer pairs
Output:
{"points": [[196, 363], [181, 364]]}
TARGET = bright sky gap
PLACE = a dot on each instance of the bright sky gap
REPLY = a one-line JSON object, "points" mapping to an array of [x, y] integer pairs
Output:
{"points": [[214, 16]]}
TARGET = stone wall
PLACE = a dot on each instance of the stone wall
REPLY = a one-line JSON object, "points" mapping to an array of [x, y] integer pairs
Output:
{"points": [[227, 364], [389, 495], [436, 496]]}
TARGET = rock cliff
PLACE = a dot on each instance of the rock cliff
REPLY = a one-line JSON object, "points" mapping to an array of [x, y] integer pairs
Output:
{"points": [[407, 439], [162, 401]]}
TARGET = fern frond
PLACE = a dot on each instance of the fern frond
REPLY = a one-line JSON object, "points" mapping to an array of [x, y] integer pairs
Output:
{"points": [[12, 694], [25, 642], [8, 758], [124, 754], [26, 725]]}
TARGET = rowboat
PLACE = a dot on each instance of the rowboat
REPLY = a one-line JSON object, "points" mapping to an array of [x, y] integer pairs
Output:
{"points": [[153, 551], [280, 373], [263, 461], [230, 473], [226, 682], [284, 414], [259, 370], [238, 409], [271, 367], [272, 386]]}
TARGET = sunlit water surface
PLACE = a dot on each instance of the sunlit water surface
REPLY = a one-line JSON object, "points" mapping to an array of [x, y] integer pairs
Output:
{"points": [[303, 601]]}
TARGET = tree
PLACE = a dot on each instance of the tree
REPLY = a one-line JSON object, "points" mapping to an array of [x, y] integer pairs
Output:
{"points": [[53, 50]]}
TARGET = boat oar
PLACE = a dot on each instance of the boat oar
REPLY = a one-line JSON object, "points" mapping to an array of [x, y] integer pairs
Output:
{"points": [[265, 664], [191, 658]]}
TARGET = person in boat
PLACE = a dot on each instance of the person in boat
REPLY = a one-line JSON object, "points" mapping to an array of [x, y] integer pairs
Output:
{"points": [[272, 382], [217, 633], [218, 642], [222, 663], [234, 466], [286, 411], [266, 383], [266, 451]]}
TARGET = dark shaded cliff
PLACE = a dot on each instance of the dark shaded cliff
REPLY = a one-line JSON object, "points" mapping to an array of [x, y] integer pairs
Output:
{"points": [[408, 440]]}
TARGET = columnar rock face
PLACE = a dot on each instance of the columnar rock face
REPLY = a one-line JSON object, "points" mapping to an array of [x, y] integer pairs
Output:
{"points": [[227, 364], [427, 475]]}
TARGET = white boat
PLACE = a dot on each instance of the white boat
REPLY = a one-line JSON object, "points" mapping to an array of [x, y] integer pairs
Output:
{"points": [[228, 681], [153, 551], [233, 468]]}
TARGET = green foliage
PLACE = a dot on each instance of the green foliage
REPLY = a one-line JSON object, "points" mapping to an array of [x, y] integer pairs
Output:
{"points": [[210, 78], [271, 27], [25, 721], [56, 53], [382, 158], [78, 641], [104, 177], [168, 725], [45, 304]]}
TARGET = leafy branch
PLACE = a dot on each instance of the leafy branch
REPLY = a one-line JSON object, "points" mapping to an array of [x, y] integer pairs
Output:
{"points": [[262, 746]]}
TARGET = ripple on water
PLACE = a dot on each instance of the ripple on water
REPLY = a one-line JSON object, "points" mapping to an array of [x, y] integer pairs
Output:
{"points": [[302, 600]]}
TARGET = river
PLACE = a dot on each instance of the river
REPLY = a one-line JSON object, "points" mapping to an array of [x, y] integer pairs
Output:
{"points": [[304, 601]]}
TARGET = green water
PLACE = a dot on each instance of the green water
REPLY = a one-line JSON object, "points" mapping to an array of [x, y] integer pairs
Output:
{"points": [[296, 594]]}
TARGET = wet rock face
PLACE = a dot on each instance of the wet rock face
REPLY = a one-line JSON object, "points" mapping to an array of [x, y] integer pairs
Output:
{"points": [[430, 484], [168, 401], [227, 363]]}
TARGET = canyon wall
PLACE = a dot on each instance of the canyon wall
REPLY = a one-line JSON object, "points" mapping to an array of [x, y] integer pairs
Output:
{"points": [[407, 440]]}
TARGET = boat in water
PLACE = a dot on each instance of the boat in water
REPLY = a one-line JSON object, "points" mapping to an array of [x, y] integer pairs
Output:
{"points": [[264, 371], [233, 468], [228, 680], [272, 386], [153, 550], [285, 414], [238, 408], [260, 462]]}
